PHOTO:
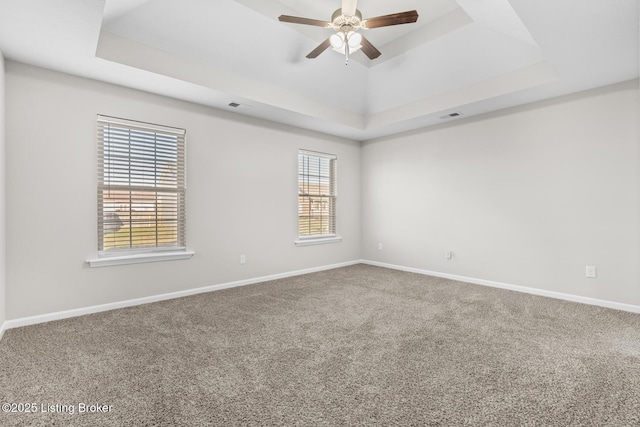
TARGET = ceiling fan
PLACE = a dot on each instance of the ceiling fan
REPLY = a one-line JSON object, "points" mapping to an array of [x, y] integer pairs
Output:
{"points": [[346, 21]]}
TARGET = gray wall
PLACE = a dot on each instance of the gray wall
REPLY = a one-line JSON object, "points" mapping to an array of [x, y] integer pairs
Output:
{"points": [[241, 196], [529, 196], [3, 305]]}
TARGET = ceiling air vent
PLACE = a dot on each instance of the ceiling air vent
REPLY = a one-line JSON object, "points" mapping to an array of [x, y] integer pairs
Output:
{"points": [[451, 116]]}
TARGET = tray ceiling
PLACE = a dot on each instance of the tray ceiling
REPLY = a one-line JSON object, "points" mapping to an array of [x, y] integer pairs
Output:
{"points": [[464, 56]]}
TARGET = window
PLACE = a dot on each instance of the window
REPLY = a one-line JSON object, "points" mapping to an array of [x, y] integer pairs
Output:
{"points": [[141, 187], [316, 198]]}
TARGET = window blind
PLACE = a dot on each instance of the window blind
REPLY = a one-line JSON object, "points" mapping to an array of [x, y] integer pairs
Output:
{"points": [[316, 194], [141, 186]]}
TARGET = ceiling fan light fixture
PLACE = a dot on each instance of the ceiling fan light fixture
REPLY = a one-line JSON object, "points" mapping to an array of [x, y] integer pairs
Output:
{"points": [[354, 40], [337, 41], [340, 42]]}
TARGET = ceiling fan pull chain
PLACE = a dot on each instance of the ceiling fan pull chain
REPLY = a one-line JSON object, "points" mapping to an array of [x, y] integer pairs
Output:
{"points": [[346, 52]]}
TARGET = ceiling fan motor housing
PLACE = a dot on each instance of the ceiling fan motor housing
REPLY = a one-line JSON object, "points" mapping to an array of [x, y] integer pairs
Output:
{"points": [[346, 23]]}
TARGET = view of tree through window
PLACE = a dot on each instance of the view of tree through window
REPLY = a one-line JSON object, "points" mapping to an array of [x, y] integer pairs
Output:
{"points": [[141, 186], [316, 194]]}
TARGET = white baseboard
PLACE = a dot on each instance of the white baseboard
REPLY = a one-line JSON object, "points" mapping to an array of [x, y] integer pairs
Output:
{"points": [[32, 320], [3, 328], [534, 291]]}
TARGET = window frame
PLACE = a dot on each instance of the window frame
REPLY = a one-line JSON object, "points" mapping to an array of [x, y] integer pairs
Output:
{"points": [[332, 237], [159, 252]]}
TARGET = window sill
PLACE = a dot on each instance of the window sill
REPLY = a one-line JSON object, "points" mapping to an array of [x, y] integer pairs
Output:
{"points": [[139, 258], [318, 241]]}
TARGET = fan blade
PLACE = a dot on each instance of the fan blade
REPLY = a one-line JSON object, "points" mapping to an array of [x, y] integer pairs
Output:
{"points": [[393, 19], [349, 7], [369, 49], [321, 48], [304, 21]]}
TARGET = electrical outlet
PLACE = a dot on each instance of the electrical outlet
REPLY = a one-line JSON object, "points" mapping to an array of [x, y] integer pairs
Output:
{"points": [[243, 259], [380, 246], [592, 271]]}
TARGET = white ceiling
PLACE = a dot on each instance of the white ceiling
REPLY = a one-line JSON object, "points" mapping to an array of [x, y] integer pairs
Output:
{"points": [[467, 56]]}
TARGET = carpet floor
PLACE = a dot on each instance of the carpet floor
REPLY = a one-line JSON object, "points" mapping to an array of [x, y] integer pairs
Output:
{"points": [[359, 345]]}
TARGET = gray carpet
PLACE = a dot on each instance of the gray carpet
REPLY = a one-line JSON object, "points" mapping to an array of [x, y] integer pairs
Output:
{"points": [[359, 345]]}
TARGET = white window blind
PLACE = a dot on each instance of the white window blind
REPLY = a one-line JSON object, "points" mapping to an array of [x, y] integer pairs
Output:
{"points": [[141, 186], [316, 194]]}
